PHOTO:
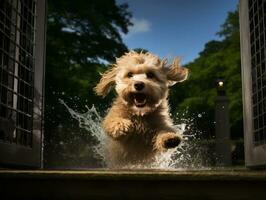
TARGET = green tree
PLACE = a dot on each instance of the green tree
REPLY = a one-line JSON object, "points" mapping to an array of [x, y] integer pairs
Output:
{"points": [[82, 38], [218, 59]]}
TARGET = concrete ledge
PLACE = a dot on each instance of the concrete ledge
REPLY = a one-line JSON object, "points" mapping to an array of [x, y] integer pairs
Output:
{"points": [[140, 184]]}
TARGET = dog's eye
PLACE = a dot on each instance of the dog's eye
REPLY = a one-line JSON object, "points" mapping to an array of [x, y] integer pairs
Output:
{"points": [[150, 75], [129, 74]]}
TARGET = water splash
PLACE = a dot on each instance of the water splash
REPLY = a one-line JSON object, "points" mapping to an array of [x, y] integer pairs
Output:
{"points": [[91, 122], [188, 155]]}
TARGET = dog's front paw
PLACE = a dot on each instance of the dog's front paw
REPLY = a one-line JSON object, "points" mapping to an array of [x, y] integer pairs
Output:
{"points": [[167, 140], [117, 128]]}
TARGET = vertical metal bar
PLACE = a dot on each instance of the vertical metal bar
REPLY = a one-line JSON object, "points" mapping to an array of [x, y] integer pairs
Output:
{"points": [[17, 40], [39, 77]]}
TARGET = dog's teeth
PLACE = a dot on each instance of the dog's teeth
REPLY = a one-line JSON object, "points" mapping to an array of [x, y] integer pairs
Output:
{"points": [[140, 104], [139, 99]]}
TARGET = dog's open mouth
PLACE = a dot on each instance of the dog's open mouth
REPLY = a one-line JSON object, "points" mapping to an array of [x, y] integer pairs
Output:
{"points": [[139, 99]]}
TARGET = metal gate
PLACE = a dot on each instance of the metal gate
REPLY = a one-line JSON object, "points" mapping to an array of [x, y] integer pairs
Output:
{"points": [[22, 41], [253, 51]]}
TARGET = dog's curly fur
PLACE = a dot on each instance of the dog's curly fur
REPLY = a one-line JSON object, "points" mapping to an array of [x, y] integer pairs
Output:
{"points": [[138, 122]]}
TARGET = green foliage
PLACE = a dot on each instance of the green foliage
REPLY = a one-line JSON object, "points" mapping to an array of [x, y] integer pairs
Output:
{"points": [[197, 94], [82, 37]]}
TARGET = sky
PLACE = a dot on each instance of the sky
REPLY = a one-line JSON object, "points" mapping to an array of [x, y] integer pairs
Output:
{"points": [[170, 28]]}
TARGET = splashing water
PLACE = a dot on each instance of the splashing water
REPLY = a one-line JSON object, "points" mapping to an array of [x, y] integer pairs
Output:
{"points": [[188, 155], [91, 122]]}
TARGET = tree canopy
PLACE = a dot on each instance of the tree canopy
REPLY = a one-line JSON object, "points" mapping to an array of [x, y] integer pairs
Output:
{"points": [[82, 36], [197, 95]]}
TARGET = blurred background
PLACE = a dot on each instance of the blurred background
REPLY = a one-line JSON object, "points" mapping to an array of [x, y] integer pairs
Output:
{"points": [[85, 37]]}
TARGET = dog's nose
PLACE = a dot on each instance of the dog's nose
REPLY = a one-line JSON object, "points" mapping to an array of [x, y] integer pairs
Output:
{"points": [[139, 86]]}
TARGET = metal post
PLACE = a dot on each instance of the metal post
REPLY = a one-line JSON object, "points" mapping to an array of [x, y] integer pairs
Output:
{"points": [[222, 126]]}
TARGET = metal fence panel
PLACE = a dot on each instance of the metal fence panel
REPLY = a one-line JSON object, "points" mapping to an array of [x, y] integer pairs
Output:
{"points": [[253, 61], [20, 100]]}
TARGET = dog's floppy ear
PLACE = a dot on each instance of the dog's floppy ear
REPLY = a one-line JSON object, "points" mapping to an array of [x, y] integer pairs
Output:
{"points": [[107, 82], [175, 73]]}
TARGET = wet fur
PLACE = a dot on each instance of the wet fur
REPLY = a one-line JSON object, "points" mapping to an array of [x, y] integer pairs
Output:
{"points": [[137, 133]]}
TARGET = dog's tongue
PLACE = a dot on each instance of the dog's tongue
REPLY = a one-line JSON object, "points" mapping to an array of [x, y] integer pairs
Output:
{"points": [[139, 99]]}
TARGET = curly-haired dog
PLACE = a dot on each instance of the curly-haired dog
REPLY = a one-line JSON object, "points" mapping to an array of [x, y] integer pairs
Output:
{"points": [[139, 122]]}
